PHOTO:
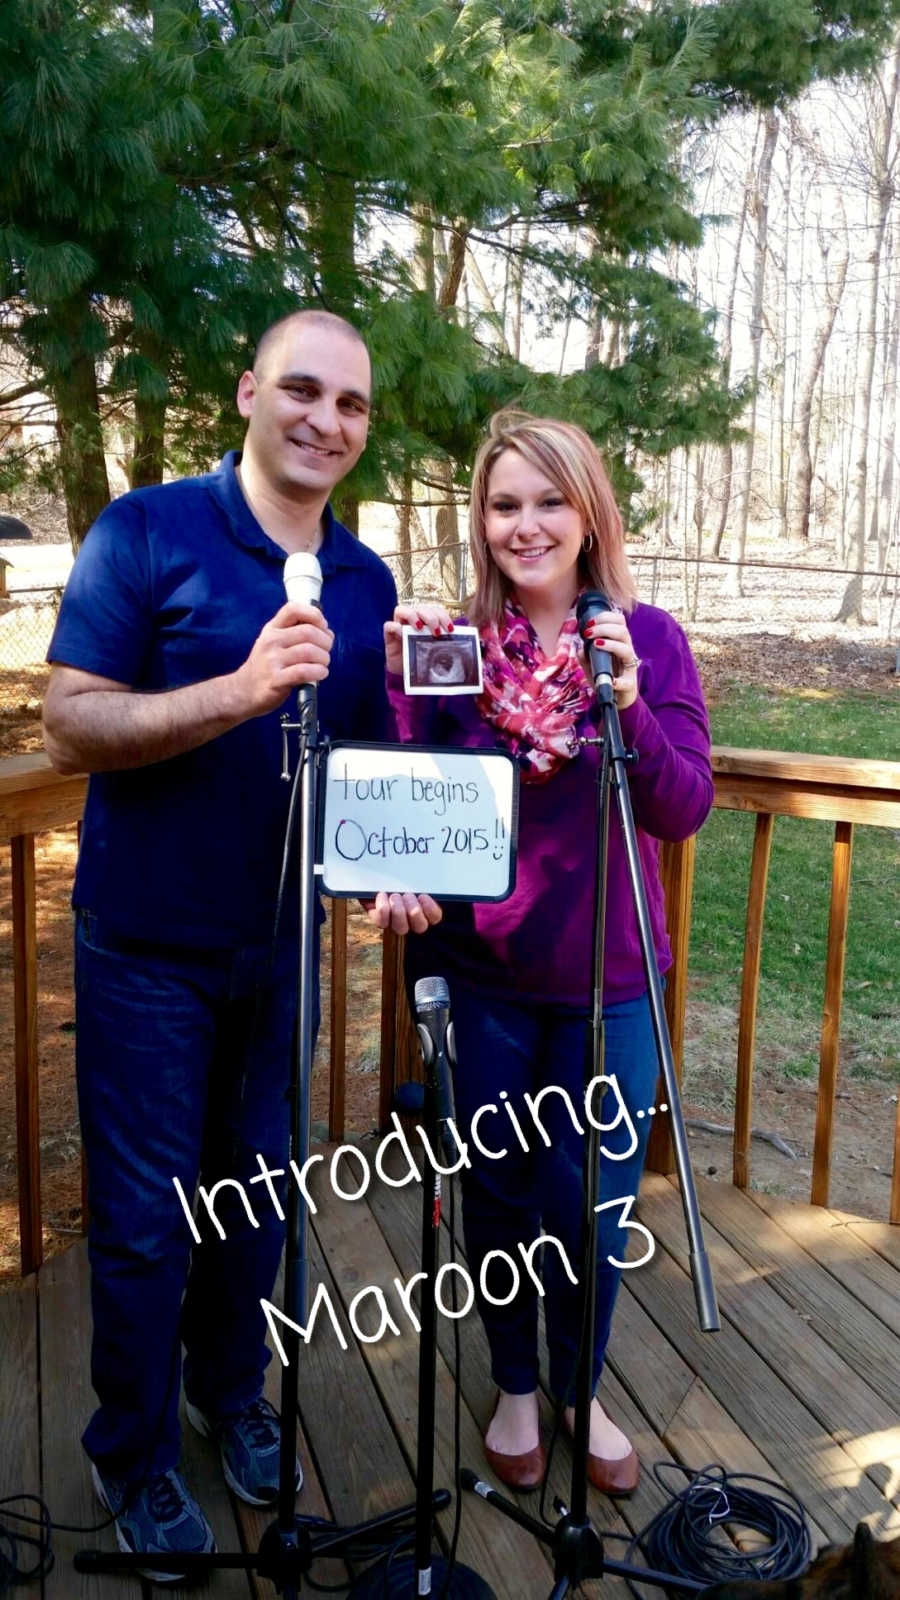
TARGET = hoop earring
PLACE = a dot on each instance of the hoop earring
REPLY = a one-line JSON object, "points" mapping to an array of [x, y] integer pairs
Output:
{"points": [[587, 542]]}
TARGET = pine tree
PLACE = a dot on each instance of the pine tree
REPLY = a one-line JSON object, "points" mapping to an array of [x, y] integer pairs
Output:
{"points": [[174, 176]]}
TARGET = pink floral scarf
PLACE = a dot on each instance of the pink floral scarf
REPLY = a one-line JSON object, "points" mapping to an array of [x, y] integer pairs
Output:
{"points": [[534, 701]]}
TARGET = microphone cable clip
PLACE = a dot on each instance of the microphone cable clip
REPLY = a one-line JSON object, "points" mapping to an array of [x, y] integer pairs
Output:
{"points": [[306, 727], [631, 757]]}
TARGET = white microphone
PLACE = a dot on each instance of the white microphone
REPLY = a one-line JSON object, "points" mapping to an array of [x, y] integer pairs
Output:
{"points": [[303, 578]]}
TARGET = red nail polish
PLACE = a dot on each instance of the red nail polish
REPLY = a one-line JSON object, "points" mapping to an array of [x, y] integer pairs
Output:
{"points": [[419, 622], [449, 627]]}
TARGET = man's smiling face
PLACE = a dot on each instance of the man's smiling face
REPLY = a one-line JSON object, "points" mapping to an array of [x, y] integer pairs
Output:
{"points": [[307, 408]]}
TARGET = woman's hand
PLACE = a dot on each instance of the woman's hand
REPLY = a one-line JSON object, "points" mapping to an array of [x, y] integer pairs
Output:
{"points": [[609, 631], [403, 913], [430, 616]]}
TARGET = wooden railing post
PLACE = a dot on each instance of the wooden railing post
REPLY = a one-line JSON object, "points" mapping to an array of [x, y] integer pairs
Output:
{"points": [[756, 906], [391, 983], [831, 1018], [676, 870], [400, 1056], [337, 1080], [24, 924], [895, 1170]]}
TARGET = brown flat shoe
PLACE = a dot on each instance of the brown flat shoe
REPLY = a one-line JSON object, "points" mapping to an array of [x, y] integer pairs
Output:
{"points": [[617, 1478], [523, 1472]]}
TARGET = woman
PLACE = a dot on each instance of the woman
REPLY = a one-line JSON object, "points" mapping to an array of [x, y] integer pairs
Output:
{"points": [[544, 526]]}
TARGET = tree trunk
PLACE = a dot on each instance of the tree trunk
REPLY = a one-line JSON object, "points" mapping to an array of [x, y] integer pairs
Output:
{"points": [[888, 474], [425, 249], [486, 295], [595, 334], [800, 477], [851, 608], [877, 450], [148, 454], [82, 460], [727, 341], [446, 519], [851, 405], [819, 407], [455, 266], [446, 524], [404, 542], [331, 238], [781, 454], [699, 509], [518, 291], [734, 581]]}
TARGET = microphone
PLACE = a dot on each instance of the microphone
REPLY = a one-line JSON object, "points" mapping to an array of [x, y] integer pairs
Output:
{"points": [[303, 578], [435, 1030], [303, 585], [589, 605]]}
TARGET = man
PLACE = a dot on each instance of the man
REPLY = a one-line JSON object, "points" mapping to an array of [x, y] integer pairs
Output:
{"points": [[173, 655]]}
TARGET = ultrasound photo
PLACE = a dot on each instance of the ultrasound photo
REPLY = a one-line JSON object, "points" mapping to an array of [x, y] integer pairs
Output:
{"points": [[450, 665]]}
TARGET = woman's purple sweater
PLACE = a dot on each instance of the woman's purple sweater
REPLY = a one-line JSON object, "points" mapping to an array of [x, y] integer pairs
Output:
{"points": [[537, 944]]}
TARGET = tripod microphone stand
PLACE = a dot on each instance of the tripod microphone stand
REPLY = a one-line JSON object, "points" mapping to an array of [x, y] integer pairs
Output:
{"points": [[291, 1544], [577, 1548]]}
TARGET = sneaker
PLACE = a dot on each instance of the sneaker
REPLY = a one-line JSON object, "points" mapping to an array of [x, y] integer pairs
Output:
{"points": [[250, 1445], [161, 1518]]}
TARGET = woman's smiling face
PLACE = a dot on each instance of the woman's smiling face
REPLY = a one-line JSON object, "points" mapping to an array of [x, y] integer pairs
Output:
{"points": [[533, 533]]}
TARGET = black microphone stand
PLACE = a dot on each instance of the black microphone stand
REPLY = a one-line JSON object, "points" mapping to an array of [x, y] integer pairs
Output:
{"points": [[577, 1548], [423, 1572], [291, 1545]]}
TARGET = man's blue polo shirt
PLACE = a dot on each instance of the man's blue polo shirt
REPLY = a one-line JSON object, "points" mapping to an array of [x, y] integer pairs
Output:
{"points": [[172, 586]]}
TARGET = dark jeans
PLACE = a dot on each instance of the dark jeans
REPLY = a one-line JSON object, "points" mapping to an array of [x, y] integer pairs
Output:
{"points": [[183, 1062], [520, 1048]]}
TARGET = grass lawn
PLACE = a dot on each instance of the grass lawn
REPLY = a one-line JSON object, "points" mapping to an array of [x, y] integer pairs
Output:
{"points": [[796, 919]]}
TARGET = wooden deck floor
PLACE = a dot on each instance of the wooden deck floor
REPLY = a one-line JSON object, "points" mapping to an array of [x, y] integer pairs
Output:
{"points": [[802, 1385]]}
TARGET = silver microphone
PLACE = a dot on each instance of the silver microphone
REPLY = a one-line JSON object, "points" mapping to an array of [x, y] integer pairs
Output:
{"points": [[435, 1030], [303, 578]]}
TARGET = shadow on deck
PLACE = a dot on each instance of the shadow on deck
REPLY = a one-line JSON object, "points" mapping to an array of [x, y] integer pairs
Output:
{"points": [[802, 1385]]}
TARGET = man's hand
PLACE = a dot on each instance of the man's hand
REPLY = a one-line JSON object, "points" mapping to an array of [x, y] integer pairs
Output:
{"points": [[403, 913], [294, 648], [94, 724]]}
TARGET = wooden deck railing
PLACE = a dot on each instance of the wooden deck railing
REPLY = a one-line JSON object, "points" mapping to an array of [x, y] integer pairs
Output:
{"points": [[769, 783]]}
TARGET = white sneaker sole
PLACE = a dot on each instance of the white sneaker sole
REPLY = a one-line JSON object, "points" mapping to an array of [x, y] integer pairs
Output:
{"points": [[199, 1421]]}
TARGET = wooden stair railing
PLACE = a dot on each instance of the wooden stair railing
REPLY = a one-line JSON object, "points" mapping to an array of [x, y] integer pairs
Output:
{"points": [[33, 798], [769, 783]]}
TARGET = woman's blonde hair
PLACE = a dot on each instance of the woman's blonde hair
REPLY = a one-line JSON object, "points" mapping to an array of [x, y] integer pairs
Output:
{"points": [[566, 455]]}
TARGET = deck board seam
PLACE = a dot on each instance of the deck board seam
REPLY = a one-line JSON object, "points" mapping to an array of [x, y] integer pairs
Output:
{"points": [[798, 1302], [819, 1424], [826, 1266]]}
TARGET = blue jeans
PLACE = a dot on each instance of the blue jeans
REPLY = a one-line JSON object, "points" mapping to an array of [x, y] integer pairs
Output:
{"points": [[518, 1049], [183, 1062]]}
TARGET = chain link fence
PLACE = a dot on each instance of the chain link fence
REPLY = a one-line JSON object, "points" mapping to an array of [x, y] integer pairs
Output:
{"points": [[705, 591], [779, 596], [27, 618]]}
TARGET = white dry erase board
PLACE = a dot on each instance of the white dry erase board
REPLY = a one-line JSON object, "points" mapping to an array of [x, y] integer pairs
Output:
{"points": [[410, 817]]}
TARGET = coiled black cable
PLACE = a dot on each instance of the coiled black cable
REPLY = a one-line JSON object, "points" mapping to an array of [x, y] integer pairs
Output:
{"points": [[684, 1538], [13, 1546]]}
